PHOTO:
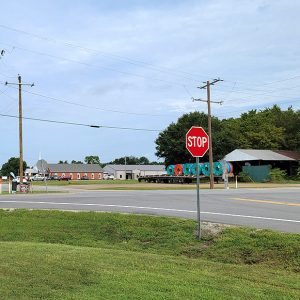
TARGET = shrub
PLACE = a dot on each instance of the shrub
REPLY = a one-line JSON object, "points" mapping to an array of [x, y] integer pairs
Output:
{"points": [[298, 173], [277, 174], [244, 177]]}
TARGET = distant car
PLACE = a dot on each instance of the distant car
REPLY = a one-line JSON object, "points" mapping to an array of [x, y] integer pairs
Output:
{"points": [[38, 177], [108, 177], [54, 177], [65, 178], [85, 177]]}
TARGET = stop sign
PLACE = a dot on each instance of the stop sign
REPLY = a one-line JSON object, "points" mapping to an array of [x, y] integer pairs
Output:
{"points": [[197, 141]]}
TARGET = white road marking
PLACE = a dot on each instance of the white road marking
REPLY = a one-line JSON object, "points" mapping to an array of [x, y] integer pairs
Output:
{"points": [[149, 208]]}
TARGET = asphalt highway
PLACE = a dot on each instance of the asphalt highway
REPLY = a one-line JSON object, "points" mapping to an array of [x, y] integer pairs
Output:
{"points": [[277, 209]]}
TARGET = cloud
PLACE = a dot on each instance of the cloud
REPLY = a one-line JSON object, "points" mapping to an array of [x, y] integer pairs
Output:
{"points": [[146, 52]]}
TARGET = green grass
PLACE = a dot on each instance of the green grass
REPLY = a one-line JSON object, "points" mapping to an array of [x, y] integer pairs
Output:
{"points": [[44, 271], [150, 188], [85, 182], [88, 255]]}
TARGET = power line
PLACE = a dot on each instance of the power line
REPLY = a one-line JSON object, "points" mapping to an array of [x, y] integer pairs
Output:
{"points": [[107, 54], [126, 59], [270, 82], [265, 92], [174, 83], [90, 106], [265, 105], [80, 124]]}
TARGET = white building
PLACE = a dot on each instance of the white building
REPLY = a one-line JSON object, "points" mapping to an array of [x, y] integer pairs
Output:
{"points": [[134, 171]]}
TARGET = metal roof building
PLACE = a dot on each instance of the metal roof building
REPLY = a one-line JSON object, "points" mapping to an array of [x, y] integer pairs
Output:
{"points": [[253, 154], [134, 171], [243, 159]]}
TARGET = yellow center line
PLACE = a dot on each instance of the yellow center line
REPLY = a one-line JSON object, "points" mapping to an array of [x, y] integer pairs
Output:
{"points": [[266, 201]]}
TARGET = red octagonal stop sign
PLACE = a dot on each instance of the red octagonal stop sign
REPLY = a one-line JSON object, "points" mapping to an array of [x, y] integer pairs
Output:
{"points": [[197, 141]]}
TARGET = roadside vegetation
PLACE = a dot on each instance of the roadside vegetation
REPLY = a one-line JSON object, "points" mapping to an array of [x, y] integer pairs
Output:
{"points": [[88, 255], [271, 128]]}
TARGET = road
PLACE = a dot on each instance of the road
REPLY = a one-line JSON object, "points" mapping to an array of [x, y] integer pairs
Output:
{"points": [[277, 209]]}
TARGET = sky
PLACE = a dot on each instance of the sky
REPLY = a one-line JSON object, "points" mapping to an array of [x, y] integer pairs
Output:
{"points": [[137, 64]]}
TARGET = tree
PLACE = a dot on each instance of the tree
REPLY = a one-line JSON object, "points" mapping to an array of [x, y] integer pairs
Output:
{"points": [[76, 162], [171, 142], [12, 165], [143, 161], [258, 130], [131, 160], [92, 159], [63, 162], [271, 128]]}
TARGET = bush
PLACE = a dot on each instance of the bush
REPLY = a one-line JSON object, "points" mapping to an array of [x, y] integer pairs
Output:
{"points": [[298, 173], [244, 177], [277, 175]]}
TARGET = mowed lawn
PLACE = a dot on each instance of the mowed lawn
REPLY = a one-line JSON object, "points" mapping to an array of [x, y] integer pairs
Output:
{"points": [[65, 255]]}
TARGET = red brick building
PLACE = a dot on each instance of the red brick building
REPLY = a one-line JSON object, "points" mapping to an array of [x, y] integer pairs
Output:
{"points": [[75, 171]]}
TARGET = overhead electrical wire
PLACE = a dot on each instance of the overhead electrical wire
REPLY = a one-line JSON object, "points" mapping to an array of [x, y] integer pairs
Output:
{"points": [[107, 54], [267, 83], [233, 90], [125, 59], [79, 124], [87, 106], [265, 105]]}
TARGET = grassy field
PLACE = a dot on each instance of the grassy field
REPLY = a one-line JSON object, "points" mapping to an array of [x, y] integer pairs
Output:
{"points": [[87, 255], [84, 182]]}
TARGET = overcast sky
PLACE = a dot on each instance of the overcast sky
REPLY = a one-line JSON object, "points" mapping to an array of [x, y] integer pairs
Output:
{"points": [[137, 64]]}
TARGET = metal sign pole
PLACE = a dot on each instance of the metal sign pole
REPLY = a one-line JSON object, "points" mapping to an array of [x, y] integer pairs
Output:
{"points": [[198, 199]]}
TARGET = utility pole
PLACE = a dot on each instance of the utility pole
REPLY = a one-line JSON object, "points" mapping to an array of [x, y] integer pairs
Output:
{"points": [[20, 84], [208, 101]]}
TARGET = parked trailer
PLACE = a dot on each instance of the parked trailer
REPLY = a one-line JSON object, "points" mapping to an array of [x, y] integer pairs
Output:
{"points": [[173, 178]]}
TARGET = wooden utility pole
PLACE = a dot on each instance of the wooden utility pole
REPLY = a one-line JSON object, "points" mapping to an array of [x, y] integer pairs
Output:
{"points": [[20, 124], [20, 129], [208, 101], [210, 153]]}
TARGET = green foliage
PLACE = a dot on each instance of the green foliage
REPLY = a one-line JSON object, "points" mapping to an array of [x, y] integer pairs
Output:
{"points": [[133, 160], [277, 175], [63, 162], [92, 159], [54, 271], [76, 162], [171, 142], [161, 235], [89, 255], [244, 177], [12, 165], [271, 128], [298, 173]]}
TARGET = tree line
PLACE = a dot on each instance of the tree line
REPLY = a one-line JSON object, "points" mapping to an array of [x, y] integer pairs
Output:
{"points": [[271, 129], [12, 165]]}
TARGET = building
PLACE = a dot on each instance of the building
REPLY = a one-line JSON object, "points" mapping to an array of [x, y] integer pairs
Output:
{"points": [[261, 161], [74, 171], [134, 171]]}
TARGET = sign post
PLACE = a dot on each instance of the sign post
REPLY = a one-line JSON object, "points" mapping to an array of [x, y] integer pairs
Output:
{"points": [[197, 143]]}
